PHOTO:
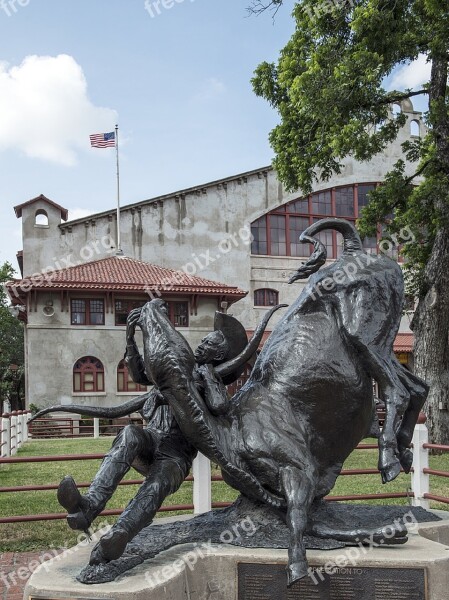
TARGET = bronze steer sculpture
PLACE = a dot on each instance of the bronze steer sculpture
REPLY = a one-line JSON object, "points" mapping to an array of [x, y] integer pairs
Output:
{"points": [[283, 438]]}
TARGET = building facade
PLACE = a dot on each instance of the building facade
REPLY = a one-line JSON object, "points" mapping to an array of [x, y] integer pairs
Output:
{"points": [[241, 231], [75, 325]]}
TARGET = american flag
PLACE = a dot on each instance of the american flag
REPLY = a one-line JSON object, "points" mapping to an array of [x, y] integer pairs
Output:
{"points": [[102, 140]]}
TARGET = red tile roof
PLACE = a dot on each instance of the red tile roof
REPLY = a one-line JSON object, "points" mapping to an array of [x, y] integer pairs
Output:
{"points": [[19, 207], [402, 343], [127, 274]]}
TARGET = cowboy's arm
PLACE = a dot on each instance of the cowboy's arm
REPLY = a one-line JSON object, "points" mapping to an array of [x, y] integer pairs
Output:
{"points": [[133, 359], [156, 412], [214, 391]]}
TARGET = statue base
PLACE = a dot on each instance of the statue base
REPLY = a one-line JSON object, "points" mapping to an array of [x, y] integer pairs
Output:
{"points": [[418, 570]]}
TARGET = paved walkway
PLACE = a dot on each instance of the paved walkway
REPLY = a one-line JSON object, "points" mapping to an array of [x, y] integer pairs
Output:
{"points": [[15, 570]]}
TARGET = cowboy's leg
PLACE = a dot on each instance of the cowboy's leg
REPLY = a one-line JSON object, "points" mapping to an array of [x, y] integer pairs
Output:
{"points": [[132, 444], [164, 478]]}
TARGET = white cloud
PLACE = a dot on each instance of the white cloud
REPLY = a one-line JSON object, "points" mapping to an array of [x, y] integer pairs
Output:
{"points": [[45, 111], [413, 75], [210, 89]]}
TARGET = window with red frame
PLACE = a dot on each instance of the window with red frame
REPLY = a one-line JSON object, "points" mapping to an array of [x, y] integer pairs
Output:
{"points": [[124, 307], [124, 381], [87, 311], [266, 297], [277, 233], [179, 313], [88, 375]]}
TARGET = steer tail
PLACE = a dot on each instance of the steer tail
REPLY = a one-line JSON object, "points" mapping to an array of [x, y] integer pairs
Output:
{"points": [[127, 408], [351, 243]]}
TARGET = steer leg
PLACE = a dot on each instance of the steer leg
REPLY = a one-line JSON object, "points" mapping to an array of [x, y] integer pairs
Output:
{"points": [[418, 391], [370, 317], [299, 489], [396, 400]]}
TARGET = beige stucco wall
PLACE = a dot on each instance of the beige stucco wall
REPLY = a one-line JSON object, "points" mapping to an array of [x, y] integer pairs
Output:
{"points": [[54, 345]]}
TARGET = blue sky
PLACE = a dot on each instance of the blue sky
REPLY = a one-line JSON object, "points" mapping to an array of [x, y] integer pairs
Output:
{"points": [[177, 81]]}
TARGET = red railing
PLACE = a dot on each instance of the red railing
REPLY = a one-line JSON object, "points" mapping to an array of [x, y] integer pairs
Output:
{"points": [[57, 458], [440, 447], [177, 507], [437, 473], [369, 496]]}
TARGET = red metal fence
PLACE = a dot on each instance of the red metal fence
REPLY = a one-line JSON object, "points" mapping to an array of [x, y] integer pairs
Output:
{"points": [[435, 472], [172, 508]]}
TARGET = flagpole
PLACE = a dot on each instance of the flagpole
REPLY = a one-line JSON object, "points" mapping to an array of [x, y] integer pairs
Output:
{"points": [[119, 251]]}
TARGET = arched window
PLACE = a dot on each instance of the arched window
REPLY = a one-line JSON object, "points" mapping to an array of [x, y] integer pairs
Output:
{"points": [[124, 381], [41, 218], [88, 375], [277, 233], [414, 128], [266, 297]]}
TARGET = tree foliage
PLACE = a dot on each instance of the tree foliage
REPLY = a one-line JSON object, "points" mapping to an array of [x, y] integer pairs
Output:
{"points": [[11, 345], [328, 87]]}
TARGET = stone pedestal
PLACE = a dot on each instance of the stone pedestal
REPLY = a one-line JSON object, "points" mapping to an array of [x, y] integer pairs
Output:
{"points": [[220, 572]]}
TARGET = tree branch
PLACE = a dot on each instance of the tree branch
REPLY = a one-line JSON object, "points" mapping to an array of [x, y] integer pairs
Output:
{"points": [[418, 172], [257, 7], [397, 96], [410, 179]]}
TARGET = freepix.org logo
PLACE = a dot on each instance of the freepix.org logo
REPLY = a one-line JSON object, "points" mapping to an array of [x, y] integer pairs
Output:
{"points": [[156, 7], [11, 7]]}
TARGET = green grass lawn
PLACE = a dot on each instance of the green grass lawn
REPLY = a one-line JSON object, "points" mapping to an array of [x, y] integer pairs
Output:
{"points": [[48, 534]]}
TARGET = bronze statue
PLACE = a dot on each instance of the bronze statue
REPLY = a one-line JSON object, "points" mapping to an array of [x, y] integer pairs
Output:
{"points": [[308, 403], [282, 439]]}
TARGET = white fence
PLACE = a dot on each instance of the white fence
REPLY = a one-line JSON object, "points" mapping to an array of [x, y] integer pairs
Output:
{"points": [[14, 431]]}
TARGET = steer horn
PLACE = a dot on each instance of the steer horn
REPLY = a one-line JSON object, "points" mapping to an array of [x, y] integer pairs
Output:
{"points": [[114, 412], [351, 243], [351, 238], [315, 262], [242, 358]]}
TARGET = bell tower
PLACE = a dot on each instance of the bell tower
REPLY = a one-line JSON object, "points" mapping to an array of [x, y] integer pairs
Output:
{"points": [[41, 218]]}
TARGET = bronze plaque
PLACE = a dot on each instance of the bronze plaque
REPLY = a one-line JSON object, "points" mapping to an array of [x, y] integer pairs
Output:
{"points": [[269, 582]]}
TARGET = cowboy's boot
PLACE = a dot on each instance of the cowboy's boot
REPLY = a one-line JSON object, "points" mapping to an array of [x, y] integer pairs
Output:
{"points": [[79, 509]]}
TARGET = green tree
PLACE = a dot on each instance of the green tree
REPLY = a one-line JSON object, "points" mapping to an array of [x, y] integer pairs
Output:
{"points": [[328, 87], [11, 346]]}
